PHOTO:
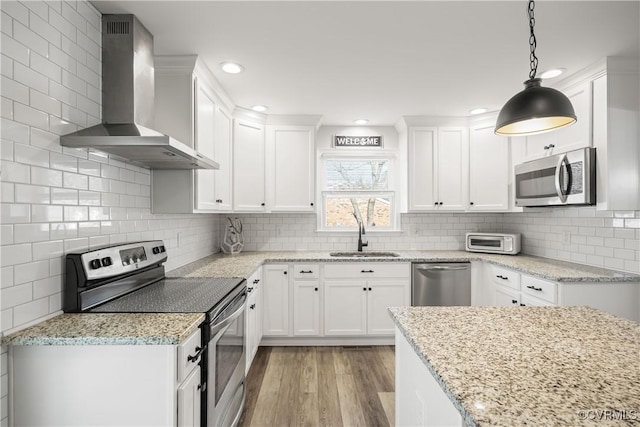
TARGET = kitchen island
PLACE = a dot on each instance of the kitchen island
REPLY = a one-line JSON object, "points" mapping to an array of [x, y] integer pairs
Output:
{"points": [[504, 366]]}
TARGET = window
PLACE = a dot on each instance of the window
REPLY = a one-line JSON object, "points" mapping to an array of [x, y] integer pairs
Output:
{"points": [[357, 189]]}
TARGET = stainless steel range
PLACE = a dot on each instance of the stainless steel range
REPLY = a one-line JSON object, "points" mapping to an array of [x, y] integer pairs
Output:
{"points": [[130, 278]]}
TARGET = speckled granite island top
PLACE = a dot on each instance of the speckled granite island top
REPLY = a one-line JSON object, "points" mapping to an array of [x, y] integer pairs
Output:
{"points": [[109, 329], [243, 264], [504, 366]]}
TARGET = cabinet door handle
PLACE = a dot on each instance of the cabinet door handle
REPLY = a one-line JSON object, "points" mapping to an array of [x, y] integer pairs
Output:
{"points": [[364, 289], [534, 288], [499, 276], [369, 288], [436, 203], [311, 203], [284, 272], [514, 301], [249, 290], [195, 356], [366, 271], [315, 289], [252, 306], [262, 204], [306, 271], [440, 203], [256, 281], [471, 203], [522, 305], [547, 147]]}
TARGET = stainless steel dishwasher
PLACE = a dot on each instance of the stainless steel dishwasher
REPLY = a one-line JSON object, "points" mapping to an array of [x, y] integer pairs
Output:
{"points": [[441, 284]]}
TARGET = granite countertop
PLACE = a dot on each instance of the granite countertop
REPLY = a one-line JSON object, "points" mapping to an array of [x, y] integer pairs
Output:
{"points": [[109, 329], [505, 366], [243, 264]]}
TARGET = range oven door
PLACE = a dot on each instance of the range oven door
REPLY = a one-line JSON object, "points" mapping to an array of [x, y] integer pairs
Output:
{"points": [[226, 365]]}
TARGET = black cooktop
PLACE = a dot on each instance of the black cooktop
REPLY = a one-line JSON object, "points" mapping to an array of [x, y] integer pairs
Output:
{"points": [[174, 295]]}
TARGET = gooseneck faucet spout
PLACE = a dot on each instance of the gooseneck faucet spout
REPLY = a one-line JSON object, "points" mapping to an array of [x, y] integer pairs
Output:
{"points": [[361, 231]]}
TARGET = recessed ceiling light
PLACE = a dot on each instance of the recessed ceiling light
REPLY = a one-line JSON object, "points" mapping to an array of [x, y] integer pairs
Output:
{"points": [[361, 121], [477, 111], [554, 72], [260, 108], [232, 67]]}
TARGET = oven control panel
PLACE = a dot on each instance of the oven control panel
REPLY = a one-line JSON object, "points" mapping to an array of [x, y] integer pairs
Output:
{"points": [[125, 258]]}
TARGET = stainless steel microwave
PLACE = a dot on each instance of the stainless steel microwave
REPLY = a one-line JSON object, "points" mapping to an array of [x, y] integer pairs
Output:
{"points": [[497, 243], [563, 179]]}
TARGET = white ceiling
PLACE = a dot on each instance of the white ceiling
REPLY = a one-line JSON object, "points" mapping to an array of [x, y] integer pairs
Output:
{"points": [[382, 60]]}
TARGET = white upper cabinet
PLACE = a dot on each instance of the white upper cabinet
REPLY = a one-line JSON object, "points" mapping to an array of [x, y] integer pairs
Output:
{"points": [[193, 108], [438, 168], [290, 168], [488, 170], [568, 138], [248, 166]]}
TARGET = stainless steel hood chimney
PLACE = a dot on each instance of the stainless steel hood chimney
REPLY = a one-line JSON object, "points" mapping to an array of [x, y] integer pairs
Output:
{"points": [[127, 103]]}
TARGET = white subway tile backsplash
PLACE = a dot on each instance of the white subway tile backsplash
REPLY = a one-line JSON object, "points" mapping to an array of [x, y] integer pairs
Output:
{"points": [[15, 172], [76, 245], [64, 230], [13, 131], [48, 250], [92, 17], [86, 229], [7, 193], [32, 194], [30, 116], [6, 234], [31, 271], [16, 10], [45, 103], [30, 311], [45, 176], [14, 50], [31, 155], [65, 27], [111, 172], [6, 25], [71, 15], [6, 277], [74, 115], [38, 8], [25, 233], [63, 162], [90, 198], [71, 81], [64, 196], [14, 90], [76, 213], [74, 180], [15, 254], [46, 140], [16, 295], [47, 287]]}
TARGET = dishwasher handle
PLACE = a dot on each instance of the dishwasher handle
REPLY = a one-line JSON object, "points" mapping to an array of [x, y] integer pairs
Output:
{"points": [[437, 267]]}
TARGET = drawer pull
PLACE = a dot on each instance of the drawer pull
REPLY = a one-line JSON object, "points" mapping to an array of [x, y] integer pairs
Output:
{"points": [[364, 289], [249, 290], [534, 288], [369, 288], [195, 356], [522, 305], [366, 271], [256, 281], [514, 301], [252, 306], [306, 272]]}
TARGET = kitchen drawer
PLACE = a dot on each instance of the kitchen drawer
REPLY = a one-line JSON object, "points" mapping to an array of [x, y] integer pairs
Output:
{"points": [[540, 288], [505, 277], [191, 347], [306, 271], [529, 301], [366, 270]]}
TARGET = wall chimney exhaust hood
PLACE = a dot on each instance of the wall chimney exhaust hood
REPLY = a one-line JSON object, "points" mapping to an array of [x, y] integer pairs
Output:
{"points": [[128, 104]]}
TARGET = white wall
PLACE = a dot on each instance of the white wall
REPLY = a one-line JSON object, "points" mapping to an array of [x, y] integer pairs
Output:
{"points": [[56, 200]]}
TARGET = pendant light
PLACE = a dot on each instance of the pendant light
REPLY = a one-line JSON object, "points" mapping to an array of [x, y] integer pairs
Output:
{"points": [[536, 109]]}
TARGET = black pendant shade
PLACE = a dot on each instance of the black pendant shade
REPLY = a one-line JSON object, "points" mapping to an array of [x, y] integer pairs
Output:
{"points": [[535, 110]]}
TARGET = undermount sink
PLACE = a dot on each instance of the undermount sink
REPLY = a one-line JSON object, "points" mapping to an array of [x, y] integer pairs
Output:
{"points": [[364, 254]]}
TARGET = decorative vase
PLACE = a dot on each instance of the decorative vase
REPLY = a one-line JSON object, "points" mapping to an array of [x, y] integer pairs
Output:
{"points": [[233, 241]]}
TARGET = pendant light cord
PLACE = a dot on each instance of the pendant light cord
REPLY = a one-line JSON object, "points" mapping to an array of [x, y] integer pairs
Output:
{"points": [[533, 59]]}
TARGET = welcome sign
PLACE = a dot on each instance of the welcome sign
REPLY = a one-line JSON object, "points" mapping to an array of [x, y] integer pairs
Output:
{"points": [[357, 141]]}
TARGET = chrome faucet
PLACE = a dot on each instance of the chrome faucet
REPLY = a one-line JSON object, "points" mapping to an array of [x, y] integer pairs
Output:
{"points": [[361, 231]]}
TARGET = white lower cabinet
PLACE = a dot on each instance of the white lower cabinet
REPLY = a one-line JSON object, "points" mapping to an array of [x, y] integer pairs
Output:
{"points": [[512, 288], [276, 300], [357, 296], [130, 384], [306, 308]]}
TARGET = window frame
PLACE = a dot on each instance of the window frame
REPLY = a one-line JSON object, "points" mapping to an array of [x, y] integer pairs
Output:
{"points": [[390, 193]]}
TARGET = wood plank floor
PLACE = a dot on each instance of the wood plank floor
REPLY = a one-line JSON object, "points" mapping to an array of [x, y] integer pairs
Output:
{"points": [[321, 386]]}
